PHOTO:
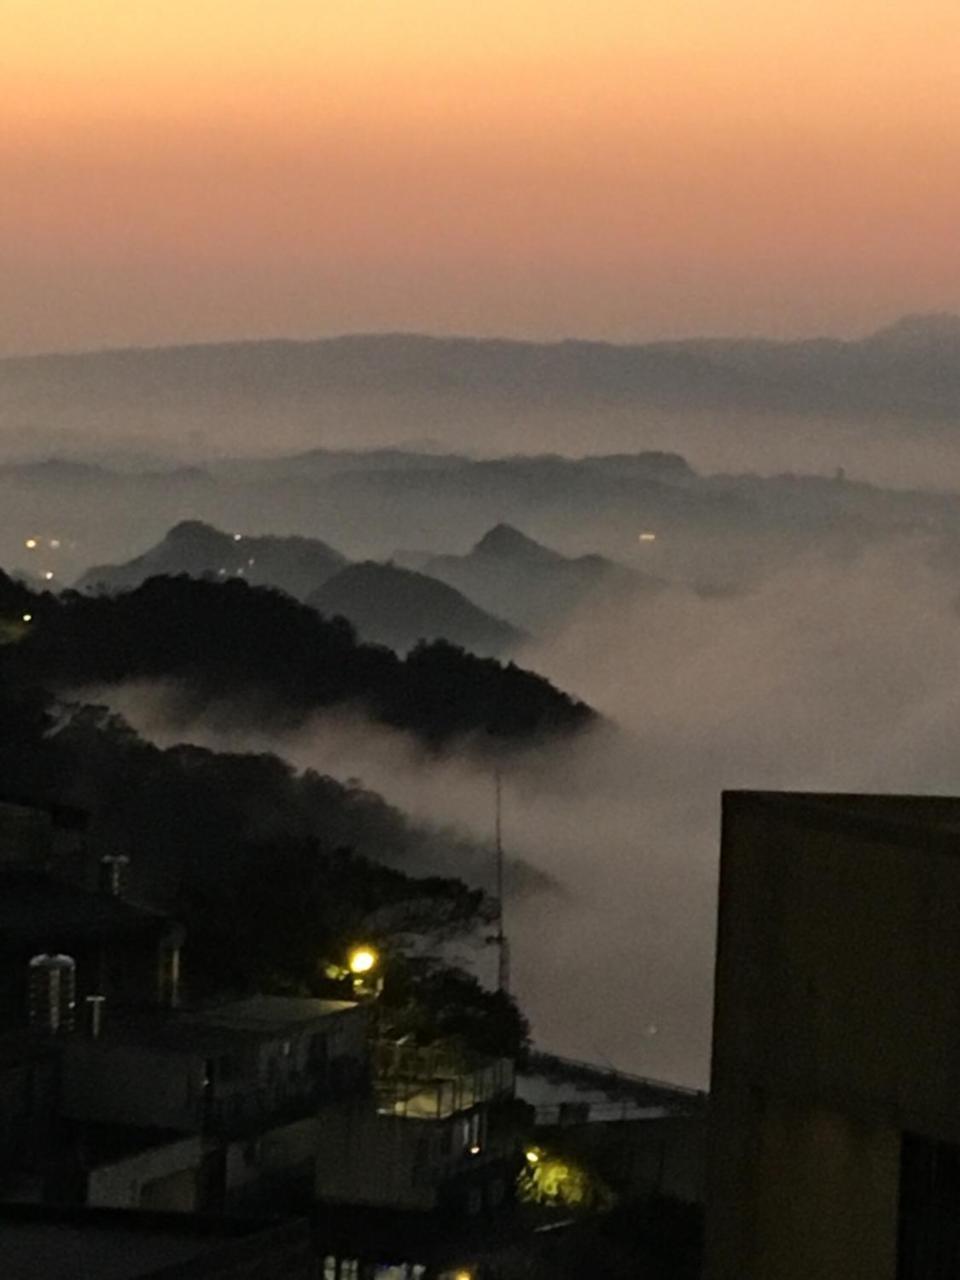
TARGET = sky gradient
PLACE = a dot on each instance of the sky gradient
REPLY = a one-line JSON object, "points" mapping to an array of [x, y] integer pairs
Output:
{"points": [[224, 168]]}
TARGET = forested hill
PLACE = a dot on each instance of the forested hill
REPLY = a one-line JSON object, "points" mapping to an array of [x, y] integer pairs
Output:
{"points": [[264, 651]]}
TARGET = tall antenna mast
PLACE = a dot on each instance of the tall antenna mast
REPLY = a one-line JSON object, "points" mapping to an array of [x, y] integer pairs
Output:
{"points": [[503, 947]]}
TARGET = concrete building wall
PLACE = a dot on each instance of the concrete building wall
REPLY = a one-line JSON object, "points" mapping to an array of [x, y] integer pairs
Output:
{"points": [[366, 1158], [126, 1084], [837, 1029], [663, 1156], [259, 1168], [161, 1178]]}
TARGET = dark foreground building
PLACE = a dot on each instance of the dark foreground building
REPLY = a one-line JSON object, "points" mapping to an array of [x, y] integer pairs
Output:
{"points": [[56, 1243], [835, 1098]]}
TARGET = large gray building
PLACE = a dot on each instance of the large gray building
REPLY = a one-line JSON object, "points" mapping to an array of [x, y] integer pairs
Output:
{"points": [[835, 1096]]}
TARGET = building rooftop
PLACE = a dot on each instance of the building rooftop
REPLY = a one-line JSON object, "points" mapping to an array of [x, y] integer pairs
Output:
{"points": [[911, 821], [222, 1027], [549, 1082], [268, 1015], [39, 910]]}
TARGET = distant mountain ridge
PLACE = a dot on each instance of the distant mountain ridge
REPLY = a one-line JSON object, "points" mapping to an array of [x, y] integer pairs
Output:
{"points": [[399, 607], [296, 565], [533, 586], [386, 604], [908, 369]]}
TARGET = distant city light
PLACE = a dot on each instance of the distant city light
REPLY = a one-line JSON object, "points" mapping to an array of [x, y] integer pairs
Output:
{"points": [[48, 575], [30, 544], [533, 1156], [54, 544], [27, 617], [361, 959], [474, 1150], [648, 536], [251, 561], [238, 537]]}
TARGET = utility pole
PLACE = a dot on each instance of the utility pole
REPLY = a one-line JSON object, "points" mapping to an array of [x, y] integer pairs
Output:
{"points": [[503, 947]]}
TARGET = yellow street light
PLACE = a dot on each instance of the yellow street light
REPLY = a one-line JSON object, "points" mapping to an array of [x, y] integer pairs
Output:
{"points": [[361, 960]]}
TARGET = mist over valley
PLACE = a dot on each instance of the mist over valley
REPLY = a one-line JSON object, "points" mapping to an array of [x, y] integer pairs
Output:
{"points": [[738, 627]]}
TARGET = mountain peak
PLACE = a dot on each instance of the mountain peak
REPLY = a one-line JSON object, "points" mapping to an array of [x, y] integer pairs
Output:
{"points": [[505, 541], [931, 328], [194, 531]]}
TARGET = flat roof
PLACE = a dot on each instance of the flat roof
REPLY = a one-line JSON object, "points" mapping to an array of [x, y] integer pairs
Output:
{"points": [[39, 910], [911, 821], [221, 1027], [270, 1014]]}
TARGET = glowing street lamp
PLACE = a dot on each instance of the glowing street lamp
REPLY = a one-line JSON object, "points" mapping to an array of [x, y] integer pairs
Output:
{"points": [[363, 964], [362, 960]]}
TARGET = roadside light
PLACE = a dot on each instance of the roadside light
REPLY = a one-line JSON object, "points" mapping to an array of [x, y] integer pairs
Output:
{"points": [[532, 1155], [361, 960]]}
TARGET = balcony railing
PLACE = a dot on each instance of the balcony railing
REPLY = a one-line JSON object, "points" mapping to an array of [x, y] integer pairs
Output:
{"points": [[432, 1084]]}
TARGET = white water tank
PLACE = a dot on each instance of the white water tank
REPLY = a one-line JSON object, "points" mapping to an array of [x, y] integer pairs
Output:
{"points": [[53, 989]]}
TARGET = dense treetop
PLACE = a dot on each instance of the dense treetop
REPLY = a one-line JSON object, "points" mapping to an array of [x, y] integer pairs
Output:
{"points": [[230, 641], [274, 872]]}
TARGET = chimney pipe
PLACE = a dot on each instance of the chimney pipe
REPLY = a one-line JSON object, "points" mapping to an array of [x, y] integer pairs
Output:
{"points": [[93, 1016], [113, 874]]}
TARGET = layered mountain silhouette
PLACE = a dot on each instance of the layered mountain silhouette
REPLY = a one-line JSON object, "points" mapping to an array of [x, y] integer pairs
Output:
{"points": [[386, 604], [908, 371], [398, 607], [296, 565], [531, 585]]}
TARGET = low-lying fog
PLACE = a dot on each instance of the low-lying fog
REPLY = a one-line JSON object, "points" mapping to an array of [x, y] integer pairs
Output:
{"points": [[829, 675]]}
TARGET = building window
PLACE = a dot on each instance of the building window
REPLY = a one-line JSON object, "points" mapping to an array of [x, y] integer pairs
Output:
{"points": [[349, 1269], [928, 1246], [329, 1267]]}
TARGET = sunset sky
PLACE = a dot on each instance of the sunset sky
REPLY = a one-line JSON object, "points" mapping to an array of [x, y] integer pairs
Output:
{"points": [[625, 169]]}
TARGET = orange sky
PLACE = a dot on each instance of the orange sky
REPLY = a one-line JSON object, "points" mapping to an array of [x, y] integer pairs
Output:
{"points": [[624, 169]]}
